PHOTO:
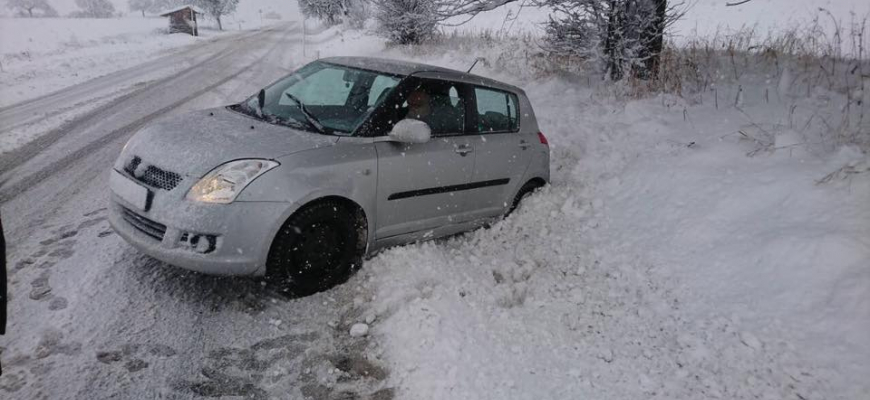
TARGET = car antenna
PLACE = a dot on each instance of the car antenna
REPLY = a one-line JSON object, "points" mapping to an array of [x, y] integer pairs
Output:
{"points": [[475, 63]]}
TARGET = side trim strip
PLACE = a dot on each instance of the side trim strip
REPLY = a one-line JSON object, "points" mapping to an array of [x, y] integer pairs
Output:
{"points": [[447, 189]]}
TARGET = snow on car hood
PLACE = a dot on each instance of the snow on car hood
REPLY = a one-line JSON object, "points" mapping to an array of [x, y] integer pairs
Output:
{"points": [[193, 144]]}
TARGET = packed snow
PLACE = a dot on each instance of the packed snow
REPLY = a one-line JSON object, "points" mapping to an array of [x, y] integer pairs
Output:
{"points": [[648, 268]]}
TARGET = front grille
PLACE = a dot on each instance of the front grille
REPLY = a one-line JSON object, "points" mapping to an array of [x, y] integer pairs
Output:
{"points": [[144, 225], [151, 175]]}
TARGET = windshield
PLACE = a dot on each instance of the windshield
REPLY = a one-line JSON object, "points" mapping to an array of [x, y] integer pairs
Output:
{"points": [[325, 98]]}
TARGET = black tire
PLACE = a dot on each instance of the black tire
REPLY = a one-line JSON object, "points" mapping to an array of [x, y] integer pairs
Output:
{"points": [[317, 248], [524, 191]]}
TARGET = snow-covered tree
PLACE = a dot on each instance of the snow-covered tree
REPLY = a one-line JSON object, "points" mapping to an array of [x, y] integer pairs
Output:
{"points": [[624, 34], [26, 7], [329, 11], [453, 8], [407, 21], [218, 8], [94, 9], [140, 5]]}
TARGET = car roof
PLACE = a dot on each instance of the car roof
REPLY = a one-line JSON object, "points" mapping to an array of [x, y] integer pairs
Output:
{"points": [[399, 67]]}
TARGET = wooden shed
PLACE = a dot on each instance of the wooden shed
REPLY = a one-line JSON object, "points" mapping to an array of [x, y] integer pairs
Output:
{"points": [[183, 19]]}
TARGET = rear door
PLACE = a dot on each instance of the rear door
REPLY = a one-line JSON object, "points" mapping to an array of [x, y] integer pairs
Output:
{"points": [[421, 187], [502, 152]]}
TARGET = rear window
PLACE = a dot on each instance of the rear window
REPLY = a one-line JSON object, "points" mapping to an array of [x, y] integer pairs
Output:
{"points": [[496, 111]]}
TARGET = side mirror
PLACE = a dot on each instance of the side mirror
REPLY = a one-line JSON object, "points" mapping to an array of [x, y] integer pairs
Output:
{"points": [[410, 131]]}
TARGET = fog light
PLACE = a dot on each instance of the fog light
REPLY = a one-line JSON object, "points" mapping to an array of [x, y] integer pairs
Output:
{"points": [[202, 244]]}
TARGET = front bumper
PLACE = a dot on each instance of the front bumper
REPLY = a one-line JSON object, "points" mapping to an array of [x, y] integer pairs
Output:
{"points": [[242, 232]]}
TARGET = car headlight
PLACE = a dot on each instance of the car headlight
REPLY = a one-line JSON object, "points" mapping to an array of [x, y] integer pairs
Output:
{"points": [[225, 182]]}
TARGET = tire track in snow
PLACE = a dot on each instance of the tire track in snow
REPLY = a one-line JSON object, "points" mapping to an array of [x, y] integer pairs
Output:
{"points": [[27, 108], [18, 185]]}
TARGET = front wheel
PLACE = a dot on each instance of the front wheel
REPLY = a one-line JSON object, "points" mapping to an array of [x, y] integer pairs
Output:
{"points": [[317, 248]]}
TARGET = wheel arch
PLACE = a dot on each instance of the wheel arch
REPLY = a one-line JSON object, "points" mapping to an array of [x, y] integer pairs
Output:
{"points": [[540, 182], [351, 205]]}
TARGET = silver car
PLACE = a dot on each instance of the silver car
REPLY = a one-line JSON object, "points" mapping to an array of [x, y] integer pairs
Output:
{"points": [[342, 158]]}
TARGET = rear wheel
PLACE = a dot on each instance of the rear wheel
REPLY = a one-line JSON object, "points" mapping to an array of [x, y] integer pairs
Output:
{"points": [[317, 248], [524, 192]]}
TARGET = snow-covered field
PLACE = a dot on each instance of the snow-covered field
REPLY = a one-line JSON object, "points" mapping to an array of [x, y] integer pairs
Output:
{"points": [[671, 257], [40, 56]]}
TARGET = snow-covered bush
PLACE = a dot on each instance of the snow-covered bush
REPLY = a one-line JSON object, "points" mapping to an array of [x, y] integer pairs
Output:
{"points": [[329, 11], [94, 9], [407, 21]]}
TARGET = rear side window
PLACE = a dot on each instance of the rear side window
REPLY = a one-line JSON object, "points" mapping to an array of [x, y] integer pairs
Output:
{"points": [[496, 111]]}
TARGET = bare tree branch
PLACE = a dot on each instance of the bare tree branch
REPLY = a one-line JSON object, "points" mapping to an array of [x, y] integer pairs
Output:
{"points": [[470, 8]]}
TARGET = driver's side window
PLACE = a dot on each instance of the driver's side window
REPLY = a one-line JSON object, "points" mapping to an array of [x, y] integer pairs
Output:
{"points": [[440, 104]]}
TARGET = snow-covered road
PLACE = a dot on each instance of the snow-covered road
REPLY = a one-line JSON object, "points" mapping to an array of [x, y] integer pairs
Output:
{"points": [[92, 318]]}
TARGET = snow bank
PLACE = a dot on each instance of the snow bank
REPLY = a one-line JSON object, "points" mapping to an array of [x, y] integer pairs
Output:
{"points": [[671, 257]]}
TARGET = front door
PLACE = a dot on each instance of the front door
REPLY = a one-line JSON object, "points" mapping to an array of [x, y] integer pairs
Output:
{"points": [[422, 186]]}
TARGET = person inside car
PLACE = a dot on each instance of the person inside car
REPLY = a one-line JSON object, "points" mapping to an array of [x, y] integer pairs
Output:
{"points": [[434, 105], [419, 105]]}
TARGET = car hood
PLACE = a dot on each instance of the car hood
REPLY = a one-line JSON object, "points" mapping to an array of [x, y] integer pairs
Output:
{"points": [[193, 144]]}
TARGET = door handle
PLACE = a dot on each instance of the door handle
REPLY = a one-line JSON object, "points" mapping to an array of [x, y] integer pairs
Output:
{"points": [[463, 150], [524, 144]]}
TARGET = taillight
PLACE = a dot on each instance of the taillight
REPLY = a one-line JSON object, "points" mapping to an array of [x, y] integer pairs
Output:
{"points": [[543, 138]]}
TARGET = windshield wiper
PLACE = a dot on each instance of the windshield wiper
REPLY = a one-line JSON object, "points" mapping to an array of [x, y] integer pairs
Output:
{"points": [[274, 119], [312, 120]]}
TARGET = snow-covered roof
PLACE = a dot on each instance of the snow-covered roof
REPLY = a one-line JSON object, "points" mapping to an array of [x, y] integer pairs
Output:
{"points": [[407, 68], [179, 8]]}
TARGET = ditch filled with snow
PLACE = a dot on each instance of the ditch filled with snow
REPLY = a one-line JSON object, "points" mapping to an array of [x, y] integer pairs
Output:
{"points": [[700, 248]]}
